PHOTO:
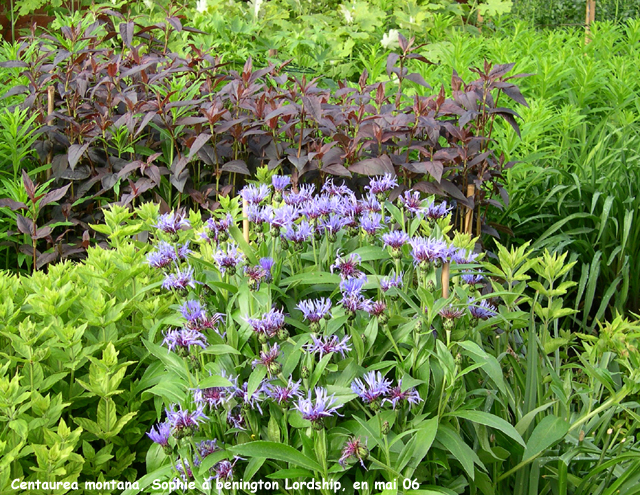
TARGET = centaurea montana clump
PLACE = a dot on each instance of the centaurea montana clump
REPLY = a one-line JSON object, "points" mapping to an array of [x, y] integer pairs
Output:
{"points": [[192, 311], [284, 394], [331, 225], [160, 434], [228, 260], [184, 422], [180, 280], [392, 280], [216, 397], [254, 195], [382, 184], [327, 344], [411, 202], [280, 182], [269, 359], [164, 255], [396, 395], [347, 266], [427, 251], [372, 389], [370, 204], [315, 311], [283, 217], [371, 223], [394, 241], [267, 265], [352, 298], [319, 409], [256, 274], [269, 325], [172, 222], [205, 448], [298, 234], [305, 194], [354, 448], [183, 339], [436, 212], [481, 310]]}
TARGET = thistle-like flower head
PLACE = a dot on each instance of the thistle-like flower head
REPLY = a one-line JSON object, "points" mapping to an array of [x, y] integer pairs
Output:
{"points": [[374, 386]]}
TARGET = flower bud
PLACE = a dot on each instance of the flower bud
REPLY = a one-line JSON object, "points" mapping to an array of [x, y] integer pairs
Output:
{"points": [[304, 372], [386, 428], [283, 334], [262, 338]]}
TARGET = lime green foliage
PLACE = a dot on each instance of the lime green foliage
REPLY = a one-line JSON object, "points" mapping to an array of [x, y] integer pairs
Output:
{"points": [[71, 363]]}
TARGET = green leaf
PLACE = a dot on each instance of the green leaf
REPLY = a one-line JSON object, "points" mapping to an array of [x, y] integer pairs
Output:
{"points": [[255, 378], [277, 451], [290, 474], [451, 440], [489, 363], [525, 421], [547, 433], [424, 437], [214, 381], [491, 420], [311, 278], [220, 349]]}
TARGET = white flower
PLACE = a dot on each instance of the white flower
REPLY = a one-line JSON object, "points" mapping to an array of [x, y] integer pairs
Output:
{"points": [[411, 20], [148, 4], [390, 39], [348, 17], [201, 6]]}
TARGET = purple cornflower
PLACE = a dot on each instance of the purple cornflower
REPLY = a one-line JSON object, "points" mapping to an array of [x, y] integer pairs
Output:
{"points": [[216, 397], [382, 184], [377, 308], [269, 359], [435, 212], [461, 257], [427, 250], [391, 281], [284, 394], [224, 470], [305, 194], [192, 311], [316, 411], [352, 286], [354, 448], [254, 195], [451, 313], [284, 216], [242, 394], [371, 223], [205, 448], [327, 204], [482, 310], [314, 311], [280, 182], [471, 278], [370, 203], [179, 280], [164, 255], [258, 215], [235, 419], [331, 225], [347, 266], [412, 202], [310, 209], [229, 260], [172, 222], [373, 388], [183, 339], [298, 235], [256, 274], [396, 239], [218, 228], [332, 190], [267, 264], [160, 433], [396, 395], [184, 251], [270, 323], [184, 421], [328, 344], [184, 470]]}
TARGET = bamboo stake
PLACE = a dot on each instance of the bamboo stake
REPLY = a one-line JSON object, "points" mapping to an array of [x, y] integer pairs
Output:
{"points": [[245, 220], [468, 225], [445, 280], [590, 16]]}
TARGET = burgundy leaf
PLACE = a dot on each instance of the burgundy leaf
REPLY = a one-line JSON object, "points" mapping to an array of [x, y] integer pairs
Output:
{"points": [[14, 205], [55, 195], [373, 166], [42, 232], [238, 166], [391, 62], [25, 225], [75, 152], [418, 79], [500, 70], [126, 32], [46, 258], [14, 64], [198, 143]]}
